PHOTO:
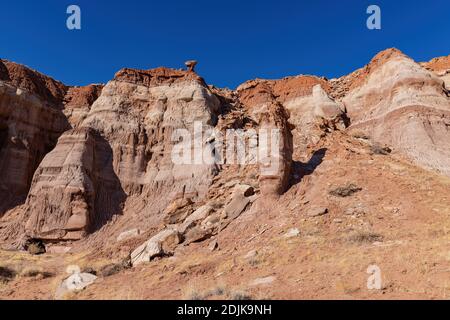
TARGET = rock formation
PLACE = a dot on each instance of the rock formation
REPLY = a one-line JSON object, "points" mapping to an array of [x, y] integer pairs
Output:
{"points": [[31, 120], [121, 147], [75, 189], [90, 163], [276, 163], [401, 104], [311, 110], [78, 102], [191, 65], [441, 67]]}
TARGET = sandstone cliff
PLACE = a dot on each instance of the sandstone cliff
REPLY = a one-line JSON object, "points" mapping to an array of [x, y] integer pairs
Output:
{"points": [[401, 104], [89, 163], [31, 120], [122, 147]]}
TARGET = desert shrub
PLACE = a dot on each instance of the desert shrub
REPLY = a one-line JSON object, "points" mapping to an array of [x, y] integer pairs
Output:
{"points": [[377, 149], [345, 191], [360, 135], [111, 269], [193, 294], [34, 271], [365, 237], [239, 295], [6, 274]]}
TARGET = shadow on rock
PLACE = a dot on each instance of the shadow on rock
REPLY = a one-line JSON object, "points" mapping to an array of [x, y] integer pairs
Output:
{"points": [[300, 169]]}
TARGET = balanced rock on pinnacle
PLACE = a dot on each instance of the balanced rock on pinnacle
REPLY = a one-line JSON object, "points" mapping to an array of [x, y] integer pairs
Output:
{"points": [[190, 64]]}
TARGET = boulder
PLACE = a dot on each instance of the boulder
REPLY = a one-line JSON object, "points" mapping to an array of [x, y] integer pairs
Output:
{"points": [[317, 211], [197, 233], [263, 281], [240, 199], [252, 254], [176, 205], [195, 218], [244, 190], [126, 235], [213, 245], [55, 249], [76, 282], [177, 210], [292, 233], [163, 243], [190, 64]]}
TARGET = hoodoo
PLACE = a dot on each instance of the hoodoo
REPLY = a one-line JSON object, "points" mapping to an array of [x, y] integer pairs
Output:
{"points": [[358, 165]]}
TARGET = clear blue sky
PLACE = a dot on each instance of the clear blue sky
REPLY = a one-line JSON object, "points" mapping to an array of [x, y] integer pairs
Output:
{"points": [[233, 40]]}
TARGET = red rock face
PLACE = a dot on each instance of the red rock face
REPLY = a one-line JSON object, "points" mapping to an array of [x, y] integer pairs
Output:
{"points": [[78, 102], [31, 121], [19, 76], [401, 104], [305, 98], [438, 64], [120, 149], [98, 159], [155, 77]]}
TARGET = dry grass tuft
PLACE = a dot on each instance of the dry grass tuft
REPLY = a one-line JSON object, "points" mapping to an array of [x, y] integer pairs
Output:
{"points": [[219, 292], [364, 237], [35, 272], [7, 274]]}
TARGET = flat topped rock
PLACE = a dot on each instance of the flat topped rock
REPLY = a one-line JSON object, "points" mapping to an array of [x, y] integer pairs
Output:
{"points": [[190, 64], [263, 281], [77, 281], [317, 211]]}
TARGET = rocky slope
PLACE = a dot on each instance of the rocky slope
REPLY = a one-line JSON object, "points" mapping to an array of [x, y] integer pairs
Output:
{"points": [[88, 172]]}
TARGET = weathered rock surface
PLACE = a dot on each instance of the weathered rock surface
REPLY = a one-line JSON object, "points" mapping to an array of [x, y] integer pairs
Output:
{"points": [[317, 211], [75, 189], [77, 281], [50, 91], [292, 233], [311, 110], [263, 281], [98, 160], [121, 147], [129, 234], [99, 168], [401, 104], [276, 166], [162, 243], [195, 218], [240, 199], [31, 121], [78, 102], [441, 67]]}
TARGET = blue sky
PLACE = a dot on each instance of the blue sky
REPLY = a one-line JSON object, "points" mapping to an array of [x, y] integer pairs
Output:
{"points": [[234, 40]]}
